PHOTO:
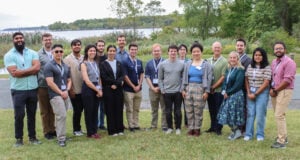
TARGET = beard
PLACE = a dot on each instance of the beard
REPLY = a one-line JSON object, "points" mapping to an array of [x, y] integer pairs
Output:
{"points": [[19, 47], [279, 55]]}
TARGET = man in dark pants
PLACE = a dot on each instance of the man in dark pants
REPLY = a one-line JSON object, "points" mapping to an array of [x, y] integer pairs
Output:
{"points": [[23, 65]]}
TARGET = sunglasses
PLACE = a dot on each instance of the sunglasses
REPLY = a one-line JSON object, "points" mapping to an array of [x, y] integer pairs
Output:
{"points": [[58, 51]]}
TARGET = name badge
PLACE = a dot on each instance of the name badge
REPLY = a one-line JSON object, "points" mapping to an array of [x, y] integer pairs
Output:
{"points": [[63, 87], [98, 87], [155, 81], [198, 67], [253, 89]]}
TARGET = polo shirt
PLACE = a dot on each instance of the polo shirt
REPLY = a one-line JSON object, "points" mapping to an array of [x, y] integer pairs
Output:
{"points": [[151, 70], [133, 72], [121, 56], [14, 58], [59, 73], [219, 68]]}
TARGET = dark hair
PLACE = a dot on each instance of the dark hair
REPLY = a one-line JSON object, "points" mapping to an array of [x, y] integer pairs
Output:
{"points": [[132, 45], [172, 46], [86, 49], [75, 41], [183, 45], [241, 40], [280, 42], [16, 34], [196, 44], [264, 55], [46, 35], [100, 40], [111, 46], [121, 35], [57, 45]]}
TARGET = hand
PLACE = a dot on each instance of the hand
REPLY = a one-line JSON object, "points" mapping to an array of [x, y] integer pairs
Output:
{"points": [[156, 89], [137, 88], [183, 94], [99, 93], [64, 94], [72, 93], [251, 96], [205, 96], [272, 93], [212, 91], [225, 96], [113, 87]]}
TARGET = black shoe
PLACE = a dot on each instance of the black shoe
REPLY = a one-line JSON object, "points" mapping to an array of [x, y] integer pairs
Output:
{"points": [[210, 130], [278, 145], [53, 134], [218, 132], [62, 143], [137, 128], [19, 143], [131, 129], [102, 128], [34, 141], [48, 136], [164, 129]]}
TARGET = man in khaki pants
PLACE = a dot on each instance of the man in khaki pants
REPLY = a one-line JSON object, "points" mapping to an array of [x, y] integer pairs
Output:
{"points": [[283, 77], [134, 73]]}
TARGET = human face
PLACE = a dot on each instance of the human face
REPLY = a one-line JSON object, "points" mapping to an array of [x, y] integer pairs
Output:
{"points": [[111, 53], [279, 50], [217, 49], [57, 53], [133, 51], [100, 47], [47, 42], [196, 53], [258, 57], [172, 53], [240, 47], [19, 42], [91, 53], [121, 42], [182, 52], [156, 52], [233, 59], [76, 48]]}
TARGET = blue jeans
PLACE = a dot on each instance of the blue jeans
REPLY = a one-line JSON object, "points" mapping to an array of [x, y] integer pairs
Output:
{"points": [[257, 109], [101, 114]]}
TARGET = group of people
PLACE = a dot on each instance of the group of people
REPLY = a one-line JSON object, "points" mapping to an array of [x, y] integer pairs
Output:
{"points": [[237, 89]]}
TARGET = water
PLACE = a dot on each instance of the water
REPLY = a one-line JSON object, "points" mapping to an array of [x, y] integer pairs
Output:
{"points": [[70, 35]]}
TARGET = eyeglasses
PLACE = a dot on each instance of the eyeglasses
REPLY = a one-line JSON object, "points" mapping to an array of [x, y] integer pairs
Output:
{"points": [[58, 51], [279, 49]]}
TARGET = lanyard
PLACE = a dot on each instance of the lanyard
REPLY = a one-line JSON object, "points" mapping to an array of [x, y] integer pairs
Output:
{"points": [[213, 64], [242, 56], [155, 66], [95, 69], [134, 62], [62, 70], [229, 73]]}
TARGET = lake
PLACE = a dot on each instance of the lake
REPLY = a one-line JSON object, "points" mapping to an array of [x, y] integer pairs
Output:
{"points": [[70, 35]]}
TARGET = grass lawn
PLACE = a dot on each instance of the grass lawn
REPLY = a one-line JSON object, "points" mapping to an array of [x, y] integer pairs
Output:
{"points": [[146, 145]]}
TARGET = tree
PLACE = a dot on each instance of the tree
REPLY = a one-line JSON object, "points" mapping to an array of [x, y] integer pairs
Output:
{"points": [[153, 8]]}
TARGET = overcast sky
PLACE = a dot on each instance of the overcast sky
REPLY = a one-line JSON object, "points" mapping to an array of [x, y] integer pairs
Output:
{"points": [[29, 13]]}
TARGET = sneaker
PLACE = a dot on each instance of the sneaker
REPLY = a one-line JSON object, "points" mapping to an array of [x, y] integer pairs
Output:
{"points": [[19, 143], [121, 134], [278, 145], [164, 129], [197, 132], [136, 128], [218, 132], [131, 129], [286, 140], [48, 136], [115, 134], [259, 138], [178, 132], [34, 141], [237, 134], [210, 130], [231, 135], [190, 132], [95, 136], [78, 133], [62, 143], [169, 131], [246, 138]]}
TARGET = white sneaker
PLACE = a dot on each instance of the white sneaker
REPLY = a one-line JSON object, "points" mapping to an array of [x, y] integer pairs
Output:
{"points": [[231, 135], [121, 134], [114, 135], [169, 131], [78, 133], [178, 132], [237, 134], [246, 138], [260, 139]]}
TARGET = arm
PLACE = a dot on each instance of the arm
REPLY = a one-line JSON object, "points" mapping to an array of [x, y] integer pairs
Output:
{"points": [[34, 69], [55, 88], [161, 78], [85, 77]]}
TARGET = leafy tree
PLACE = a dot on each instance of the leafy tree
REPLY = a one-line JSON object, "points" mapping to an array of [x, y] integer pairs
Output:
{"points": [[153, 8]]}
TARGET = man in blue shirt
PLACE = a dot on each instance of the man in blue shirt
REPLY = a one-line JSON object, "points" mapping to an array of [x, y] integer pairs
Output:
{"points": [[134, 74], [121, 54], [23, 65]]}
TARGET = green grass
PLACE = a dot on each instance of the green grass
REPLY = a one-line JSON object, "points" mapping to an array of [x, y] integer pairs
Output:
{"points": [[151, 144]]}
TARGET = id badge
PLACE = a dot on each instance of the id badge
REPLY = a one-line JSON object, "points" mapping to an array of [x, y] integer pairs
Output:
{"points": [[199, 68], [63, 87], [155, 81], [252, 89], [98, 87]]}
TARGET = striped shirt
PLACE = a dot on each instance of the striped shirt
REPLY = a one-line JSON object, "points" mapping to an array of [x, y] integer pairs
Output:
{"points": [[256, 76]]}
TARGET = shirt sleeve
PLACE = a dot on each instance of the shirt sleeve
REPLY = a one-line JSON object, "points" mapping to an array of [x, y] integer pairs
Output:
{"points": [[9, 61]]}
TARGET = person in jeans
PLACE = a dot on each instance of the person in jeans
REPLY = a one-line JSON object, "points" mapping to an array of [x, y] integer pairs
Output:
{"points": [[197, 77], [170, 73], [23, 65], [282, 85], [73, 60], [257, 79], [155, 96], [91, 90], [57, 75]]}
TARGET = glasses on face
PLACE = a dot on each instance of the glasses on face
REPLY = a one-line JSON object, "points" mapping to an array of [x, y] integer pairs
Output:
{"points": [[279, 49], [58, 51]]}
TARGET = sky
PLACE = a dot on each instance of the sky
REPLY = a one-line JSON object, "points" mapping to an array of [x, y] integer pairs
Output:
{"points": [[31, 13]]}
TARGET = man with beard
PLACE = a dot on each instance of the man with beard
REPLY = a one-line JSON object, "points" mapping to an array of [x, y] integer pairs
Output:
{"points": [[47, 114], [122, 54], [282, 85], [73, 60], [23, 65]]}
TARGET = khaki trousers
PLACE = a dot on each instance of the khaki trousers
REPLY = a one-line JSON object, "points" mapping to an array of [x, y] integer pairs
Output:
{"points": [[132, 103], [157, 99], [280, 105], [46, 110], [60, 106]]}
